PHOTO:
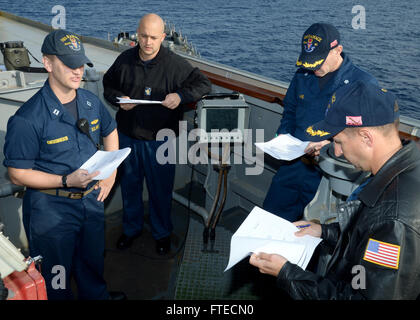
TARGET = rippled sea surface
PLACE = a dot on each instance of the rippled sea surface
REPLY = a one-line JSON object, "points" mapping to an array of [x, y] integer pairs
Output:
{"points": [[263, 36]]}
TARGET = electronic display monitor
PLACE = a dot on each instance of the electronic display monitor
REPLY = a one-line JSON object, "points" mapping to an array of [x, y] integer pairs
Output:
{"points": [[223, 120]]}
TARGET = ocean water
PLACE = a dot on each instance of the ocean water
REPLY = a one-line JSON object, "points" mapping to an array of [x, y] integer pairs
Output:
{"points": [[263, 36]]}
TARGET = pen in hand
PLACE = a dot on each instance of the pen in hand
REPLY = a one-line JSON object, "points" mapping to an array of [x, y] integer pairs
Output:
{"points": [[303, 226]]}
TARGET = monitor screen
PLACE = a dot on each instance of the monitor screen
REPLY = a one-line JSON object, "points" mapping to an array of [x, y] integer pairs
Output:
{"points": [[222, 118]]}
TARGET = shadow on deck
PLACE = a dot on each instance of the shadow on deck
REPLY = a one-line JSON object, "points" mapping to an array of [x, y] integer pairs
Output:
{"points": [[186, 273]]}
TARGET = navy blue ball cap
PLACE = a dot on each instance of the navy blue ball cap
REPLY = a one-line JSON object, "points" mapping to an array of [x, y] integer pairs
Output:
{"points": [[359, 104], [67, 47], [317, 41]]}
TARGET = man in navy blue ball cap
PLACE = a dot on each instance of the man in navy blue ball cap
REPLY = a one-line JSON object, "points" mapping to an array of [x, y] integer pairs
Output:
{"points": [[316, 45], [382, 235], [63, 209], [358, 105], [323, 68], [360, 111], [67, 47]]}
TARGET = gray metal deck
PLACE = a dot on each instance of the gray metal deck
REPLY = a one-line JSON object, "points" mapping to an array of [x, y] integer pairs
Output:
{"points": [[200, 273]]}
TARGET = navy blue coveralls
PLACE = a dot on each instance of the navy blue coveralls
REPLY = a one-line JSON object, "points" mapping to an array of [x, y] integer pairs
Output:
{"points": [[68, 233], [142, 164], [296, 182]]}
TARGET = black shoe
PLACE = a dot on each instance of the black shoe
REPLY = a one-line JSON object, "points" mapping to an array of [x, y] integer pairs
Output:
{"points": [[125, 241], [117, 295], [163, 246]]}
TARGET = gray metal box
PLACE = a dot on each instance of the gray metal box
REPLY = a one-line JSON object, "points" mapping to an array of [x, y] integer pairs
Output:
{"points": [[223, 118]]}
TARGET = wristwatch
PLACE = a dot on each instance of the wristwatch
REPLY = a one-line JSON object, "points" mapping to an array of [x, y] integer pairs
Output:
{"points": [[64, 181]]}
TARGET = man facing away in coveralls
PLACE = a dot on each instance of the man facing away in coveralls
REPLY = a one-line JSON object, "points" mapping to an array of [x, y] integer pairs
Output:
{"points": [[149, 71], [63, 209], [323, 68]]}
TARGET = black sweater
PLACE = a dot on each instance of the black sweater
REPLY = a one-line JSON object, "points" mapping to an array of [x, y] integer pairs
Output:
{"points": [[166, 73]]}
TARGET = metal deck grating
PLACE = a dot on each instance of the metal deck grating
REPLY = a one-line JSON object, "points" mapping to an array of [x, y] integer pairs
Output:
{"points": [[201, 275]]}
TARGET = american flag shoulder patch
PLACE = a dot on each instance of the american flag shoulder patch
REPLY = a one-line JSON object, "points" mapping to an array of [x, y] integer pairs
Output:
{"points": [[382, 253]]}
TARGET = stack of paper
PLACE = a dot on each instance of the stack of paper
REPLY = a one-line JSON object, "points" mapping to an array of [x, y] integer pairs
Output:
{"points": [[105, 162], [265, 232], [284, 147]]}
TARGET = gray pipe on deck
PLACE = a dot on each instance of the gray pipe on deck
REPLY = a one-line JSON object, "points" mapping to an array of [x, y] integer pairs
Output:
{"points": [[194, 207]]}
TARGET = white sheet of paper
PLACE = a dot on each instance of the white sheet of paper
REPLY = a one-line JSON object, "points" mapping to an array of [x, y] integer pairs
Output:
{"points": [[105, 162], [284, 147], [293, 251], [262, 231], [124, 100]]}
